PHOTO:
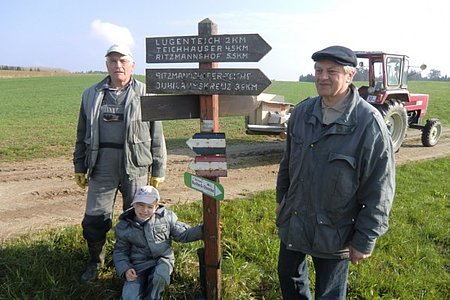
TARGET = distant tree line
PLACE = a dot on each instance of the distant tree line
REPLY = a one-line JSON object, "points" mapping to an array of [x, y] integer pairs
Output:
{"points": [[38, 69], [92, 72], [363, 75], [14, 68]]}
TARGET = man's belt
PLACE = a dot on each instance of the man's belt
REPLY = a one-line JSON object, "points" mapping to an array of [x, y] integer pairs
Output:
{"points": [[111, 145]]}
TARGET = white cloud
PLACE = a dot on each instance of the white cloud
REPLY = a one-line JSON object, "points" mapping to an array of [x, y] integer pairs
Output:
{"points": [[112, 34]]}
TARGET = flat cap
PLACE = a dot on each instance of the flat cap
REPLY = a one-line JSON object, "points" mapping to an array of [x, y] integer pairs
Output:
{"points": [[342, 55]]}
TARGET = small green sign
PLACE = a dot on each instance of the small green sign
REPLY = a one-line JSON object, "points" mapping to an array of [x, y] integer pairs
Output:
{"points": [[206, 186]]}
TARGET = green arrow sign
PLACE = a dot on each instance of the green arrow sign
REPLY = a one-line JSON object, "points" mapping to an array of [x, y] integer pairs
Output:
{"points": [[208, 187]]}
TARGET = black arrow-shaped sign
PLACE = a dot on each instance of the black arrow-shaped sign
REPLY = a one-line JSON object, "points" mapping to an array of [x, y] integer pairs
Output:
{"points": [[206, 81], [213, 48]]}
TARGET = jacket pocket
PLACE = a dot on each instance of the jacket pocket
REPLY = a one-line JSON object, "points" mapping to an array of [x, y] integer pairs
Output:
{"points": [[139, 141], [330, 237], [296, 151], [161, 232], [342, 177]]}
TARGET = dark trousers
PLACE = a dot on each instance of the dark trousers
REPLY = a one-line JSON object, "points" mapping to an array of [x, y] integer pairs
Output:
{"points": [[331, 276]]}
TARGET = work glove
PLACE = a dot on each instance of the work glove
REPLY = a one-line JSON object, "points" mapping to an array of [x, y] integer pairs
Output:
{"points": [[80, 180], [155, 181]]}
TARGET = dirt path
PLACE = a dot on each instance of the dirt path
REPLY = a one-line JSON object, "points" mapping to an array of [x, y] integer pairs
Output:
{"points": [[41, 194]]}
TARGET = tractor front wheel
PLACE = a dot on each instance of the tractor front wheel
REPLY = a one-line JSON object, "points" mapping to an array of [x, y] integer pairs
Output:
{"points": [[396, 119], [431, 132]]}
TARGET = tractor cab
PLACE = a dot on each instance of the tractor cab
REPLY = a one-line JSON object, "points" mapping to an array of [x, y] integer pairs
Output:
{"points": [[386, 72], [387, 90]]}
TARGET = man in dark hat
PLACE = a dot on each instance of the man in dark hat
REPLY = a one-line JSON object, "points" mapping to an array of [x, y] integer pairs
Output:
{"points": [[336, 181]]}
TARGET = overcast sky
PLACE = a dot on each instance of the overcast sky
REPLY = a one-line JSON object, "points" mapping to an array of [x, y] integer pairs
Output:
{"points": [[74, 35]]}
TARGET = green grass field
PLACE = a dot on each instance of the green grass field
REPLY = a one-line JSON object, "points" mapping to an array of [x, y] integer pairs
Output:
{"points": [[38, 115], [410, 262]]}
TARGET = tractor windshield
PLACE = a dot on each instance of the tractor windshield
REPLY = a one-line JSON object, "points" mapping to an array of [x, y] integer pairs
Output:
{"points": [[393, 70]]}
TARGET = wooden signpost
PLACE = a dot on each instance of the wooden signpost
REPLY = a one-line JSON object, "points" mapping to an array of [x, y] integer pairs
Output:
{"points": [[203, 93]]}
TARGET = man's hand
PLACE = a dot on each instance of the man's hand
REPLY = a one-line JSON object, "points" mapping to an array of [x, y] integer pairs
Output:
{"points": [[131, 275], [356, 257], [155, 181], [80, 180]]}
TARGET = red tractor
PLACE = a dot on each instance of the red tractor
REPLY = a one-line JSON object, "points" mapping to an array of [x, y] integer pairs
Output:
{"points": [[387, 90]]}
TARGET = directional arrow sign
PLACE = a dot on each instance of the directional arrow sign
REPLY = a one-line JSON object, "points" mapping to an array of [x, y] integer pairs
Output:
{"points": [[206, 81], [209, 163], [208, 187], [174, 107], [206, 143], [213, 48]]}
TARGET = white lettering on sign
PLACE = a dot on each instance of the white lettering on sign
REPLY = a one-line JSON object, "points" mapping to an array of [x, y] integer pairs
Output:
{"points": [[205, 186], [233, 48], [201, 48], [235, 40], [237, 56], [188, 41], [203, 75], [184, 86], [233, 81]]}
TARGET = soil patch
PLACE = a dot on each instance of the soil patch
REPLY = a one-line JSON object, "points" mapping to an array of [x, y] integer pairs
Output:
{"points": [[42, 194]]}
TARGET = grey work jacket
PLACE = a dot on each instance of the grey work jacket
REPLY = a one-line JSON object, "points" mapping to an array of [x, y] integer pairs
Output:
{"points": [[143, 246], [336, 183], [144, 144]]}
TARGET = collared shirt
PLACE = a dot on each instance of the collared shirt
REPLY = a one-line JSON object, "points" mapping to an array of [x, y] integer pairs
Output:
{"points": [[115, 96], [331, 113]]}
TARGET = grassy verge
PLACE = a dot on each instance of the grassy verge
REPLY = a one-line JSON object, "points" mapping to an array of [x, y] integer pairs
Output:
{"points": [[410, 262]]}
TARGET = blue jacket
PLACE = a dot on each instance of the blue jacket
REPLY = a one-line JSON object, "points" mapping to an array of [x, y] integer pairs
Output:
{"points": [[144, 144], [143, 246], [336, 183]]}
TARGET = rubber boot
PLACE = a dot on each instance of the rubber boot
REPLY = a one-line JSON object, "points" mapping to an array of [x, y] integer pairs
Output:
{"points": [[97, 253]]}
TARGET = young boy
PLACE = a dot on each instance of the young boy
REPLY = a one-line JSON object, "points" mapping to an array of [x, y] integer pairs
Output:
{"points": [[143, 255]]}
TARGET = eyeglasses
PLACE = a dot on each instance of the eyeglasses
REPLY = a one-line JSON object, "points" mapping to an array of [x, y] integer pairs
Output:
{"points": [[108, 117]]}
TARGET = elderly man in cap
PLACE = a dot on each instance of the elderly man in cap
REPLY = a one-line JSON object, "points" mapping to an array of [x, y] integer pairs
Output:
{"points": [[115, 150], [143, 254], [335, 184]]}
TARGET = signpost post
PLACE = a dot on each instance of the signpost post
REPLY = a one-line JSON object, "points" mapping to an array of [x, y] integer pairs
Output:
{"points": [[194, 93], [209, 122]]}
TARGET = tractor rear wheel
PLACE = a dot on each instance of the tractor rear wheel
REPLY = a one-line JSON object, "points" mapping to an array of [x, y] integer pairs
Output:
{"points": [[396, 118], [431, 132]]}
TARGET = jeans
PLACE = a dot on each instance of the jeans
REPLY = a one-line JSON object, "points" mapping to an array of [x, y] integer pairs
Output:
{"points": [[331, 276], [150, 284]]}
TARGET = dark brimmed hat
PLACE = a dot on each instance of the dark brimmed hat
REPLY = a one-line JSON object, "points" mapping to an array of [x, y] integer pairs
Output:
{"points": [[342, 55]]}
